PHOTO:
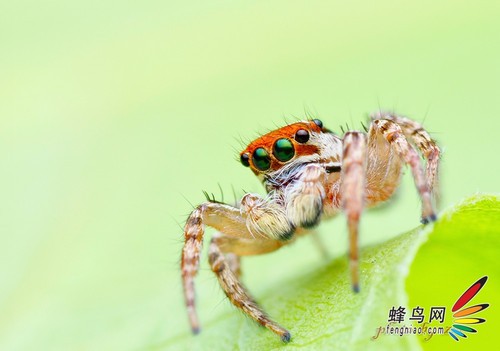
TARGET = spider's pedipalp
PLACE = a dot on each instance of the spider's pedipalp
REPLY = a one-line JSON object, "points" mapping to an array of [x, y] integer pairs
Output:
{"points": [[304, 198], [266, 218], [352, 191]]}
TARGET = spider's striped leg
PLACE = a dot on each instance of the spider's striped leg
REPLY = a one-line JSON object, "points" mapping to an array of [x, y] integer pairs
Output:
{"points": [[232, 286], [256, 217], [394, 135], [247, 246], [234, 248], [234, 263], [193, 241], [427, 146], [352, 189]]}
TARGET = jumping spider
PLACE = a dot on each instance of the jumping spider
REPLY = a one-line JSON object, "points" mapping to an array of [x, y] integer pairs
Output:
{"points": [[309, 174]]}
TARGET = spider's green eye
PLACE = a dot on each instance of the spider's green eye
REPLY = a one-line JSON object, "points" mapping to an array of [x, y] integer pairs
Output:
{"points": [[302, 136], [260, 159], [245, 160], [283, 150]]}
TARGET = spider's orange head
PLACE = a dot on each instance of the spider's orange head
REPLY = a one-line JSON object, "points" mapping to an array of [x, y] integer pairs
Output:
{"points": [[289, 144]]}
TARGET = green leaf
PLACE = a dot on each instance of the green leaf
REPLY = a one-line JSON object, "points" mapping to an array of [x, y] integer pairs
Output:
{"points": [[428, 266], [462, 248]]}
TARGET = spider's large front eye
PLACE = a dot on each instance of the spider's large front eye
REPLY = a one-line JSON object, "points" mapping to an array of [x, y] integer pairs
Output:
{"points": [[283, 150], [302, 136], [260, 159]]}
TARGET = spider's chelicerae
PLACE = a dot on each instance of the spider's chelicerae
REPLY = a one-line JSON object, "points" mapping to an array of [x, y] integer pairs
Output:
{"points": [[310, 174]]}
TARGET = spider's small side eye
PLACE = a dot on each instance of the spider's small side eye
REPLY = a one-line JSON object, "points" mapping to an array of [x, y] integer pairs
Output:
{"points": [[245, 160], [283, 150], [318, 123], [302, 136], [261, 159]]}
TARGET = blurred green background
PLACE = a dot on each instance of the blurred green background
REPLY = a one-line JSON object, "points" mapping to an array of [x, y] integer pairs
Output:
{"points": [[115, 115]]}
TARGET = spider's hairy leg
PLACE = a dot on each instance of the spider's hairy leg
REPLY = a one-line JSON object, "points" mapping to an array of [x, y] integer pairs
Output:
{"points": [[233, 248], [394, 135], [421, 138], [304, 198], [236, 291], [247, 247], [352, 190], [256, 216], [193, 241], [220, 216], [234, 264]]}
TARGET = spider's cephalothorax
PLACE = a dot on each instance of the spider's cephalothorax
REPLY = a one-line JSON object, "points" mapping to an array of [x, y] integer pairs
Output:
{"points": [[310, 174]]}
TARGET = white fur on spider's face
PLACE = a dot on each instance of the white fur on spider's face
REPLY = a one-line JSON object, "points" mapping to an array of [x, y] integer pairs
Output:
{"points": [[329, 148]]}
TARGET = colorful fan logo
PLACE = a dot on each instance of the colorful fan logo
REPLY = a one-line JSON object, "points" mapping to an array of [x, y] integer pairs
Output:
{"points": [[462, 317]]}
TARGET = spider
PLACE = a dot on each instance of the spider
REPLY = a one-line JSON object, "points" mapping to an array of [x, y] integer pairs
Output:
{"points": [[310, 174]]}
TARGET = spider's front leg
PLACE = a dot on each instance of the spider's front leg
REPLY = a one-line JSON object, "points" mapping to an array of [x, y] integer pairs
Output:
{"points": [[257, 219], [352, 189]]}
